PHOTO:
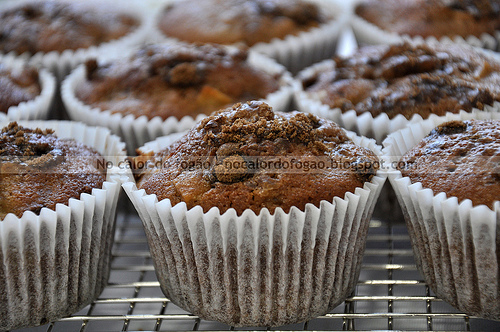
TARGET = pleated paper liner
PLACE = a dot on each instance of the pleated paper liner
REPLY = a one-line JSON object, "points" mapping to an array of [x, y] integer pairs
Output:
{"points": [[136, 131], [258, 269], [456, 245], [55, 263], [37, 108]]}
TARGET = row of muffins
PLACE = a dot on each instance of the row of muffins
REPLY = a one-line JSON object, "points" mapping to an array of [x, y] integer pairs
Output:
{"points": [[162, 229], [224, 237]]}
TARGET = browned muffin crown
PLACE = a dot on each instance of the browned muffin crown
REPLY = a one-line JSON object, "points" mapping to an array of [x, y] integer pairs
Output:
{"points": [[48, 25], [408, 79], [459, 158], [39, 170], [17, 86], [238, 21], [175, 80], [437, 18], [249, 157]]}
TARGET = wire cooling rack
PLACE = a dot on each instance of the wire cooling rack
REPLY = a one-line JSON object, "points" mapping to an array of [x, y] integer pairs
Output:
{"points": [[390, 294]]}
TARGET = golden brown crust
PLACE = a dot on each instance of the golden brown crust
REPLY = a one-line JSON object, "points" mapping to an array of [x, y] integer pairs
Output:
{"points": [[459, 158], [233, 21], [39, 170], [252, 132], [17, 86], [436, 18], [175, 80], [45, 26], [408, 79]]}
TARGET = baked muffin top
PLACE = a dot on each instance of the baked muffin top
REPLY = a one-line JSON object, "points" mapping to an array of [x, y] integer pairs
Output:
{"points": [[17, 86], [175, 80], [38, 170], [48, 25], [408, 79], [249, 157], [234, 21], [436, 18], [459, 158]]}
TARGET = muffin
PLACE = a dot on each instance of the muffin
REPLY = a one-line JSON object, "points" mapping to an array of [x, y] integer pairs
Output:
{"points": [[477, 22], [380, 88], [37, 28], [171, 83], [256, 23], [250, 224], [25, 91], [446, 180], [57, 207]]}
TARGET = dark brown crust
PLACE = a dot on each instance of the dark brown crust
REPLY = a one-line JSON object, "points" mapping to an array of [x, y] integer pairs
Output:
{"points": [[233, 21], [175, 80], [39, 170], [46, 26], [250, 131], [433, 18], [17, 86], [408, 79], [459, 158]]}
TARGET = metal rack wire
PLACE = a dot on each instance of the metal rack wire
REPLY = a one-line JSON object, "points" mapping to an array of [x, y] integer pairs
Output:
{"points": [[390, 294]]}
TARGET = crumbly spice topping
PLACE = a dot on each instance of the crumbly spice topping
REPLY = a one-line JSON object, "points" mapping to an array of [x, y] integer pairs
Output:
{"points": [[18, 141], [179, 65], [408, 79]]}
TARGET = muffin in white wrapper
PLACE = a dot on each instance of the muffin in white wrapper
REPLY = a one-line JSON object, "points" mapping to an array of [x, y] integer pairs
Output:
{"points": [[257, 269], [136, 131], [57, 262], [365, 123], [37, 108], [61, 63], [295, 51], [456, 244], [368, 33]]}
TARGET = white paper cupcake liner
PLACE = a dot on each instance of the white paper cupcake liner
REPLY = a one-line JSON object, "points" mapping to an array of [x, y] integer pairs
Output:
{"points": [[55, 263], [37, 108], [299, 51], [368, 33], [61, 64], [377, 127], [258, 270], [136, 131], [456, 246]]}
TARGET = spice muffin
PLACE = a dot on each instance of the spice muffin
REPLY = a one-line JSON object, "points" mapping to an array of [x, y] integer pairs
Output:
{"points": [[458, 151], [57, 213], [48, 25], [437, 18], [175, 80], [238, 21], [263, 241], [296, 33], [446, 180], [413, 80], [55, 169], [166, 88]]}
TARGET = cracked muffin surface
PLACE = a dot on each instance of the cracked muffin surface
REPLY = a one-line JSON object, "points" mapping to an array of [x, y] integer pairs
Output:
{"points": [[249, 157], [175, 80], [408, 79]]}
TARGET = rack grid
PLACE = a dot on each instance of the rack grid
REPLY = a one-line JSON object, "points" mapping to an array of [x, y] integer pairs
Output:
{"points": [[390, 294]]}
